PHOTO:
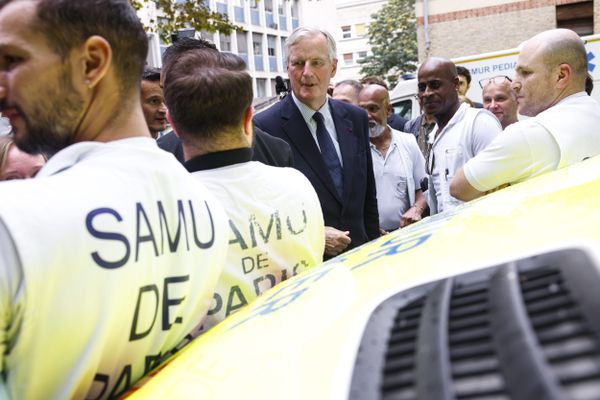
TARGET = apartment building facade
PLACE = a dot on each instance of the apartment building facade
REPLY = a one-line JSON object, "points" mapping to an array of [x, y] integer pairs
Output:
{"points": [[449, 28], [265, 24], [351, 28]]}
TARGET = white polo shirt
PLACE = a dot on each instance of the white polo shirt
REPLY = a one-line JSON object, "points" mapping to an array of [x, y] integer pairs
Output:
{"points": [[557, 137]]}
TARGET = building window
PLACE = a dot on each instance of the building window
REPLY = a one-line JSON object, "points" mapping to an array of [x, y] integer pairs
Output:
{"points": [[361, 55], [360, 30], [578, 17], [257, 43], [271, 43], [242, 44], [225, 42], [346, 33], [284, 51], [348, 59], [261, 87]]}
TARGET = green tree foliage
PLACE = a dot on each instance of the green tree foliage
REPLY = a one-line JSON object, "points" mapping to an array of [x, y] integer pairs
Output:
{"points": [[187, 14], [393, 39]]}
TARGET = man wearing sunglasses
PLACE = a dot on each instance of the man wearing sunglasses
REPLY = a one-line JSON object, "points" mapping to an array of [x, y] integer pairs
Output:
{"points": [[549, 83], [500, 99], [461, 131]]}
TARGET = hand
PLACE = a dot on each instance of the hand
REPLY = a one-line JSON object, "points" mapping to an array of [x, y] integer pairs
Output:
{"points": [[382, 232], [336, 241], [411, 216]]}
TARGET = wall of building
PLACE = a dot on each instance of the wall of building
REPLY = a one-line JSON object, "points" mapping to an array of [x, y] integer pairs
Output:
{"points": [[467, 27], [353, 44]]}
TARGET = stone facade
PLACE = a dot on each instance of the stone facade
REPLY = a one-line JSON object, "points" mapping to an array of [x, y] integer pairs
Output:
{"points": [[491, 27]]}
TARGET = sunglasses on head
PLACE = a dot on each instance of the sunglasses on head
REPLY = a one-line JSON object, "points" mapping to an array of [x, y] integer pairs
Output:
{"points": [[495, 79]]}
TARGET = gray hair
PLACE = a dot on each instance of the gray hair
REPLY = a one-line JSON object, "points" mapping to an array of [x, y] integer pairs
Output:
{"points": [[307, 32], [356, 85]]}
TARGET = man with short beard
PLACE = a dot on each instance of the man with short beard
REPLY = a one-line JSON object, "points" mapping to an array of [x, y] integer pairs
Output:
{"points": [[153, 102], [110, 256], [398, 164]]}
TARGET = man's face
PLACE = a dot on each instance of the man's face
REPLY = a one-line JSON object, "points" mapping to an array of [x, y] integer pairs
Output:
{"points": [[36, 88], [463, 85], [20, 165], [153, 105], [374, 100], [310, 70], [532, 82], [437, 90], [501, 101], [345, 93]]}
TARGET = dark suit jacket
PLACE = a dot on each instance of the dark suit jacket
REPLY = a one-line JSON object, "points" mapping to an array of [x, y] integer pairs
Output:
{"points": [[267, 149], [357, 210], [397, 122]]}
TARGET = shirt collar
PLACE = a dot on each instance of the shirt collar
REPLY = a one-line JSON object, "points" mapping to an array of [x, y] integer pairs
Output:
{"points": [[573, 96], [307, 112], [218, 159], [73, 154], [426, 124]]}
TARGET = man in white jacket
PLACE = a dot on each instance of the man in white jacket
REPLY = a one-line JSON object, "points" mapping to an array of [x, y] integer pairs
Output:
{"points": [[110, 256], [550, 86], [461, 131], [275, 220]]}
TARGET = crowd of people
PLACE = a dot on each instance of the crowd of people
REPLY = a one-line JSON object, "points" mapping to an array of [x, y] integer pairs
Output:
{"points": [[131, 241]]}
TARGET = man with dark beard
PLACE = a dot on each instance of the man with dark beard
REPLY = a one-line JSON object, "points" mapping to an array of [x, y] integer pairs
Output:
{"points": [[109, 258]]}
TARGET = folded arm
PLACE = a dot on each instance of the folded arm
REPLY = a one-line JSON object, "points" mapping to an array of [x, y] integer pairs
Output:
{"points": [[461, 189]]}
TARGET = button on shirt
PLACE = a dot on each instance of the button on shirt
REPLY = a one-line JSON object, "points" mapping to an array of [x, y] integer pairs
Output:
{"points": [[307, 114], [394, 177]]}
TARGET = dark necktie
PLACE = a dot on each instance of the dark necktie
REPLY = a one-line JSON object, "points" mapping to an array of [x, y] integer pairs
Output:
{"points": [[329, 154]]}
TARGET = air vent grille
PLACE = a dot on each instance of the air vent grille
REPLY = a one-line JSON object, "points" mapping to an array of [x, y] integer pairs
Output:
{"points": [[522, 330], [568, 344], [475, 369], [399, 374]]}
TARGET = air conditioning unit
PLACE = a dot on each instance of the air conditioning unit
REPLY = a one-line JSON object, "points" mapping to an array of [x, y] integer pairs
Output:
{"points": [[274, 25]]}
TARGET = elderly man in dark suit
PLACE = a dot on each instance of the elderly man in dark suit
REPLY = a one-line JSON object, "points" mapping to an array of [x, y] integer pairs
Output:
{"points": [[329, 141]]}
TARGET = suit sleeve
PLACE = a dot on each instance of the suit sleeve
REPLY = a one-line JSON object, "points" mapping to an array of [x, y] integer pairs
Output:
{"points": [[371, 214]]}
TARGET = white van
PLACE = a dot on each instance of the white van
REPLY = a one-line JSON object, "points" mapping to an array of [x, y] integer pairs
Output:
{"points": [[486, 65]]}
